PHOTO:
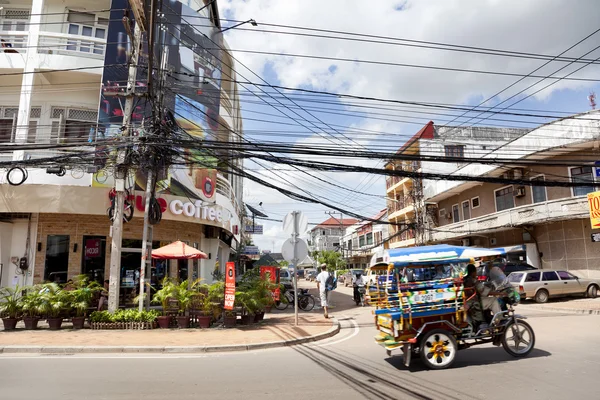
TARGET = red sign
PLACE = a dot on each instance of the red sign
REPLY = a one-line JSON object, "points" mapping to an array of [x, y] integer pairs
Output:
{"points": [[92, 248], [229, 285]]}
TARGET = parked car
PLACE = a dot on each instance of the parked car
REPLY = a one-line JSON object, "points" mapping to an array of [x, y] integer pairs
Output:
{"points": [[508, 268], [541, 285], [285, 276]]}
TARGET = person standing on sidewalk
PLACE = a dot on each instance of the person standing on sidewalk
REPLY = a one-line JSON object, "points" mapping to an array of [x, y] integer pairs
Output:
{"points": [[322, 287]]}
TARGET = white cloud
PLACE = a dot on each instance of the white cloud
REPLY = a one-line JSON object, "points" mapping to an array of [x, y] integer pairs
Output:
{"points": [[536, 26], [547, 27]]}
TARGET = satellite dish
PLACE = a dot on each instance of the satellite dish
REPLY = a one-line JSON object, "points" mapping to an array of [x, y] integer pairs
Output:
{"points": [[256, 212]]}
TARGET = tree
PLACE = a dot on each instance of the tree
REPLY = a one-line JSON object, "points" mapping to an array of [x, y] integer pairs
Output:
{"points": [[333, 260]]}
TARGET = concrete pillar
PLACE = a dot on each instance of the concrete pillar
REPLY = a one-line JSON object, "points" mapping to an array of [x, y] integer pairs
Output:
{"points": [[207, 266], [31, 64]]}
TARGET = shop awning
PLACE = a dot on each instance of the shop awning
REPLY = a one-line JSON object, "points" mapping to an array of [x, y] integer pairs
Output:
{"points": [[178, 251]]}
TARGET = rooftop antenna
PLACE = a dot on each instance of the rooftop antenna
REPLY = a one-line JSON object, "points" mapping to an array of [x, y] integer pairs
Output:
{"points": [[592, 99]]}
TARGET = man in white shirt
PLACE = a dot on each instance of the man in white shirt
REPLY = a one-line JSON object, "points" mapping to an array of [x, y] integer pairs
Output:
{"points": [[322, 287]]}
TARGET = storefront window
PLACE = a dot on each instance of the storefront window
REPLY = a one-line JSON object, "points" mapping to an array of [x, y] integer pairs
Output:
{"points": [[94, 257], [131, 259], [57, 258]]}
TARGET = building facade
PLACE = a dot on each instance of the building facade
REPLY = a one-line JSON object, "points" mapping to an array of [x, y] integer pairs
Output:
{"points": [[547, 227], [51, 72], [364, 239], [406, 203], [327, 236]]}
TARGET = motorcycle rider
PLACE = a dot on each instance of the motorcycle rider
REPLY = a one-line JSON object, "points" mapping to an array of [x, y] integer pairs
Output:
{"points": [[484, 292], [357, 281]]}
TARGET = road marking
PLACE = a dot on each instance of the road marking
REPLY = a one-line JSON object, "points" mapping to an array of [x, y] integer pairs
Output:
{"points": [[354, 333]]}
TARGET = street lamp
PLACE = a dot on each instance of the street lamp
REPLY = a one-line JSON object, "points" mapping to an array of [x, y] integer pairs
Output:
{"points": [[251, 21]]}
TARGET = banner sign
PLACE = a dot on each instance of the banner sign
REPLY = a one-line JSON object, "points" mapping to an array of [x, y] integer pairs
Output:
{"points": [[594, 203], [251, 250], [254, 229], [229, 285], [92, 248], [192, 92]]}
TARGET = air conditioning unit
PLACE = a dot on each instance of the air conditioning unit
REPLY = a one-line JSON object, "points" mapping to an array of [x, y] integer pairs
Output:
{"points": [[519, 191], [493, 241], [466, 242]]}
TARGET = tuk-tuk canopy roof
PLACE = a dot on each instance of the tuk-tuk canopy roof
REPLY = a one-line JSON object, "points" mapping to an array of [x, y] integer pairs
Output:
{"points": [[437, 254]]}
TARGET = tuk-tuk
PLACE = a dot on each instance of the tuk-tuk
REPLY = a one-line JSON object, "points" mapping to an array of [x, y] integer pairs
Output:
{"points": [[423, 308]]}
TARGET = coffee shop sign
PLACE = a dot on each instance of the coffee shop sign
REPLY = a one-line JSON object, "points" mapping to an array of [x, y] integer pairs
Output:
{"points": [[196, 210]]}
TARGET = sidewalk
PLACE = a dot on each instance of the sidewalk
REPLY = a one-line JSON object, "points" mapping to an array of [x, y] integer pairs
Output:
{"points": [[277, 330], [571, 305]]}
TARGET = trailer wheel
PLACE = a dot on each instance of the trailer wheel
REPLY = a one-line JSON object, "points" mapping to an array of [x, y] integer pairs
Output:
{"points": [[438, 349]]}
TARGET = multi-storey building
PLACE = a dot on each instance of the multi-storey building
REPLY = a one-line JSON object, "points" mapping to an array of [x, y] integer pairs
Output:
{"points": [[52, 60], [364, 239], [328, 234], [405, 201], [548, 227]]}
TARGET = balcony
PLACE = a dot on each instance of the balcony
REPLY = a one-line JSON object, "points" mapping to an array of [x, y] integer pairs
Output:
{"points": [[57, 43], [405, 239], [224, 189], [572, 207]]}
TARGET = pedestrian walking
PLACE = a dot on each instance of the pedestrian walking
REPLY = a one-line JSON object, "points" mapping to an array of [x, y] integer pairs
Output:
{"points": [[323, 280]]}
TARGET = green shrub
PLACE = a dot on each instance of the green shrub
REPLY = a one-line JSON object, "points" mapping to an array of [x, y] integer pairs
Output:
{"points": [[124, 316]]}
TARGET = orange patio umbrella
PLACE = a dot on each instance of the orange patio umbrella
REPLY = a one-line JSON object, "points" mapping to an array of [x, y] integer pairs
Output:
{"points": [[177, 251]]}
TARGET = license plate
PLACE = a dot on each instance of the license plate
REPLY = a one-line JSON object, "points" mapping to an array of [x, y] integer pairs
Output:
{"points": [[425, 298]]}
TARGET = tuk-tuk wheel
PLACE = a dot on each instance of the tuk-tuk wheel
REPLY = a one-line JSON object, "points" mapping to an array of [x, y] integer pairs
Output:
{"points": [[438, 349]]}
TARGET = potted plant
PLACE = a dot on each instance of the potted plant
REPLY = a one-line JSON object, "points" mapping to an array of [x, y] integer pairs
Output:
{"points": [[10, 307], [32, 307], [184, 297], [81, 297], [163, 297], [55, 302], [206, 307], [250, 304], [229, 319]]}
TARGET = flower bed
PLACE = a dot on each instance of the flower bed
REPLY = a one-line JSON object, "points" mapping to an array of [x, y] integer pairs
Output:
{"points": [[124, 319], [123, 325]]}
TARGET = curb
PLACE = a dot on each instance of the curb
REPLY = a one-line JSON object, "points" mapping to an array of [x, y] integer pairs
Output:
{"points": [[9, 349], [569, 310]]}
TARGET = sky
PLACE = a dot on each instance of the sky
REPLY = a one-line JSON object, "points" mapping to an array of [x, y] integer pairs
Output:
{"points": [[547, 27]]}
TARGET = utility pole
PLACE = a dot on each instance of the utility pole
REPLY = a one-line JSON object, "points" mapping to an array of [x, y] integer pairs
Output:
{"points": [[146, 262], [120, 175], [295, 234]]}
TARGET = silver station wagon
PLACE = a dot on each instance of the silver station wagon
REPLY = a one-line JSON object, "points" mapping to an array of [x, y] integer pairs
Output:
{"points": [[543, 284]]}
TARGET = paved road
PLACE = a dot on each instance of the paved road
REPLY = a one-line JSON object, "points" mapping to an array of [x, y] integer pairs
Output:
{"points": [[565, 364]]}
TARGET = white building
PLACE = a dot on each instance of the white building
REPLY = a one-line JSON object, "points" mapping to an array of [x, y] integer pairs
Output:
{"points": [[548, 227], [51, 70], [364, 239]]}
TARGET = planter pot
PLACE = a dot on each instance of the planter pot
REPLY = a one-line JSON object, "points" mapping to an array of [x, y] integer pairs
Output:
{"points": [[164, 321], [183, 322], [204, 321], [78, 322], [268, 309], [10, 323], [259, 316], [247, 319], [229, 321], [55, 323], [31, 322]]}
